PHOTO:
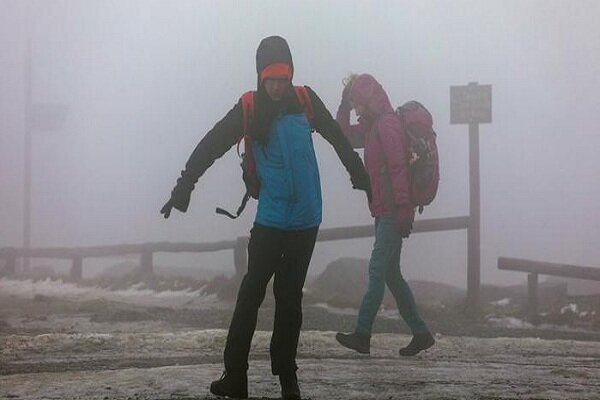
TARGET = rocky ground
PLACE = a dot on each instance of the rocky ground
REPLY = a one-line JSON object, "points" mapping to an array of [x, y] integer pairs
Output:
{"points": [[163, 339], [181, 365]]}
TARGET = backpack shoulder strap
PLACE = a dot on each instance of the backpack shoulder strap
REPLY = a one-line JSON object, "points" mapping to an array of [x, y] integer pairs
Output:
{"points": [[247, 116], [247, 110], [305, 103]]}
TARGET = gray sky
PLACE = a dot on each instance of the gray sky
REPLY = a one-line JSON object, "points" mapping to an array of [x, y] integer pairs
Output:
{"points": [[145, 80]]}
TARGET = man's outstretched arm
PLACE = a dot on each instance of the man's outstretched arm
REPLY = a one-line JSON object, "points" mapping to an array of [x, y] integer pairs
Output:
{"points": [[213, 145]]}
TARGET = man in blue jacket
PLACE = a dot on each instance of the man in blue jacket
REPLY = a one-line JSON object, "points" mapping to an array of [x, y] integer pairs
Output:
{"points": [[288, 215]]}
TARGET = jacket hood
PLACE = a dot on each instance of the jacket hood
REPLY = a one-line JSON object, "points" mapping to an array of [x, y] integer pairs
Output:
{"points": [[272, 50], [369, 93]]}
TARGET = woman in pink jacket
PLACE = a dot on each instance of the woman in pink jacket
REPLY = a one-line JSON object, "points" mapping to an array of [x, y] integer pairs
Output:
{"points": [[380, 133]]}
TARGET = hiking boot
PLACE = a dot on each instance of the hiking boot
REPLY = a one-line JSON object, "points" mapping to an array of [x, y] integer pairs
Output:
{"points": [[355, 341], [419, 342], [289, 386], [231, 385]]}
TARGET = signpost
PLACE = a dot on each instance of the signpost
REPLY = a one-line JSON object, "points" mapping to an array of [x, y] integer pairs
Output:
{"points": [[472, 104]]}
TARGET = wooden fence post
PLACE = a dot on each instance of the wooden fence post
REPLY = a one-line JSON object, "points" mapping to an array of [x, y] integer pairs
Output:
{"points": [[10, 266], [76, 269], [240, 255], [532, 285]]}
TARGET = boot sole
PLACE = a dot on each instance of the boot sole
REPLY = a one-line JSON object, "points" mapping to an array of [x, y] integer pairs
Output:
{"points": [[231, 395], [428, 346], [357, 349]]}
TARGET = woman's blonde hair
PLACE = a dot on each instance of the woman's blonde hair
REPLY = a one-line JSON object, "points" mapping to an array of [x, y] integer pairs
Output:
{"points": [[369, 88], [349, 80]]}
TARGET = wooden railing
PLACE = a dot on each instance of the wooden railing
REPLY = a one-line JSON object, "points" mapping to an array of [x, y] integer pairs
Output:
{"points": [[239, 246], [535, 268], [145, 250]]}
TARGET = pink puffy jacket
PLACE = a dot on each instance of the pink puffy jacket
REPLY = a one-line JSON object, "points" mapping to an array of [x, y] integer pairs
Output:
{"points": [[379, 119]]}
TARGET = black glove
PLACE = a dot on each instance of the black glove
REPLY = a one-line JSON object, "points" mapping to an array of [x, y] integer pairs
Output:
{"points": [[180, 196], [404, 228], [166, 209], [361, 181], [403, 221]]}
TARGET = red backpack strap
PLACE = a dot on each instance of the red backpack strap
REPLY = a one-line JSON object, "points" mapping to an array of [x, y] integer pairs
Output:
{"points": [[249, 167], [248, 163], [247, 115], [247, 110], [305, 103]]}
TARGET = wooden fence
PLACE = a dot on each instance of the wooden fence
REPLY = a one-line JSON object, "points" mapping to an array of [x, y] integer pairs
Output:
{"points": [[239, 246], [535, 268]]}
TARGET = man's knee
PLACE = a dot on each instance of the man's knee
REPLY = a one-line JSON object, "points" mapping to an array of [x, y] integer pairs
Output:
{"points": [[289, 305], [252, 291]]}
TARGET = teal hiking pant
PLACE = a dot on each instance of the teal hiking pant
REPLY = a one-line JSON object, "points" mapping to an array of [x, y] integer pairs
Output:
{"points": [[384, 269]]}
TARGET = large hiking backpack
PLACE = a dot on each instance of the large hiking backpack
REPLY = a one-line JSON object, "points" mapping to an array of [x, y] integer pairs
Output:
{"points": [[248, 163], [422, 152]]}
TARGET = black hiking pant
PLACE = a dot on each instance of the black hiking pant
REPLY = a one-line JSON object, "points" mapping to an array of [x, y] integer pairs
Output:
{"points": [[285, 254]]}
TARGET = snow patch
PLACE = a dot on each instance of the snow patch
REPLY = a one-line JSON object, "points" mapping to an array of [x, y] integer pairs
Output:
{"points": [[569, 307], [509, 322], [134, 294], [502, 303]]}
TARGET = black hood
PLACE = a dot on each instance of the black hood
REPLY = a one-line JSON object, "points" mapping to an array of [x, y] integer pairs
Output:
{"points": [[272, 50]]}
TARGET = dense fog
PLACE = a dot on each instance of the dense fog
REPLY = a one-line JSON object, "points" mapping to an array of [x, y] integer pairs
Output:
{"points": [[143, 81]]}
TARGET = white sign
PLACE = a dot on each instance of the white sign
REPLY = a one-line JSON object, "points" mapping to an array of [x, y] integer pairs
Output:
{"points": [[471, 104]]}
